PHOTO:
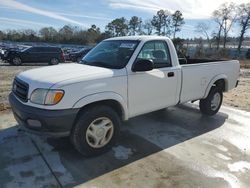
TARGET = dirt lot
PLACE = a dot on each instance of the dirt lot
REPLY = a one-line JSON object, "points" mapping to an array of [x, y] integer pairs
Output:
{"points": [[7, 74], [238, 98]]}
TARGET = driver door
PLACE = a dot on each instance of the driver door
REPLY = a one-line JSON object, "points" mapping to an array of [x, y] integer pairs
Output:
{"points": [[156, 89], [30, 55]]}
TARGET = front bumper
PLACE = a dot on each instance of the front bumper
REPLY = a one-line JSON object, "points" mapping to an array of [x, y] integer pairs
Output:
{"points": [[55, 123]]}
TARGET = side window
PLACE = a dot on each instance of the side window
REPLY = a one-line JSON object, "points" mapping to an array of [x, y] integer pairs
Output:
{"points": [[33, 49], [41, 49], [158, 52], [53, 50]]}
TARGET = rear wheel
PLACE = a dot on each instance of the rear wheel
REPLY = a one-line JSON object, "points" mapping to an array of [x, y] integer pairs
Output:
{"points": [[211, 104], [78, 59], [96, 130], [16, 61], [54, 61]]}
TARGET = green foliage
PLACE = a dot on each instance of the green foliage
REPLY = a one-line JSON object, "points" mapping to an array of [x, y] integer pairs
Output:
{"points": [[48, 33], [199, 51], [148, 27], [179, 46], [67, 34], [118, 27], [27, 35], [177, 21], [135, 25], [161, 22]]}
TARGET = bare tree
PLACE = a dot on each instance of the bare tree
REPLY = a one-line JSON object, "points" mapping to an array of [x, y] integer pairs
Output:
{"points": [[203, 29], [48, 33], [243, 19], [228, 11], [225, 17], [217, 18]]}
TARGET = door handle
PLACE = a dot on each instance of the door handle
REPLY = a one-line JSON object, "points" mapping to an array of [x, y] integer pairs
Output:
{"points": [[171, 74]]}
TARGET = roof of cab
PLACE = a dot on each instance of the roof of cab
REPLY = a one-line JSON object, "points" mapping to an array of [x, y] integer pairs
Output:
{"points": [[139, 38]]}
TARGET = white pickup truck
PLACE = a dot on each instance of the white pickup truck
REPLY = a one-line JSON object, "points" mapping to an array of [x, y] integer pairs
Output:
{"points": [[120, 78]]}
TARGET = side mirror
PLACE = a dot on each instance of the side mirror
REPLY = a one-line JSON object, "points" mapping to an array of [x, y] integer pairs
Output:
{"points": [[143, 65]]}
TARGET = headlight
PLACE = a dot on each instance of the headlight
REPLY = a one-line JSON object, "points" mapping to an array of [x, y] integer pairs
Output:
{"points": [[46, 96]]}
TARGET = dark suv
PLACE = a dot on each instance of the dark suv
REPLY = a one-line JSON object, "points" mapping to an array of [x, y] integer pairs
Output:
{"points": [[51, 55], [77, 56]]}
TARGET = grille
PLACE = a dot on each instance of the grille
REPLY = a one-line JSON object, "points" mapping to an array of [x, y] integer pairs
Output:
{"points": [[20, 89]]}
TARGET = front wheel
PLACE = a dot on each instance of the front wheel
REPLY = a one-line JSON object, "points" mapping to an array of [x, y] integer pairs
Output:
{"points": [[96, 130], [78, 59], [211, 104], [16, 61]]}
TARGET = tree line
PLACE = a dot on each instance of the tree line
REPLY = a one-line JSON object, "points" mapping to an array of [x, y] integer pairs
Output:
{"points": [[225, 17], [162, 23]]}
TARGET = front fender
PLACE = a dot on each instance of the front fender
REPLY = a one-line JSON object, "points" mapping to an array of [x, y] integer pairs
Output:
{"points": [[214, 79], [101, 96]]}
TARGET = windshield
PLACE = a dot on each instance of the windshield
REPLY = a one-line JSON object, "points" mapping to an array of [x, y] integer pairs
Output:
{"points": [[113, 54], [26, 48]]}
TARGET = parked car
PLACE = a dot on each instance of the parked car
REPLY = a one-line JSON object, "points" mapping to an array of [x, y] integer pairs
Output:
{"points": [[51, 55], [119, 79], [77, 56], [66, 56], [66, 52], [2, 51], [5, 50]]}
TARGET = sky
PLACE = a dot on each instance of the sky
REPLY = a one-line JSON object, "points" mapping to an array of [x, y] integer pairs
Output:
{"points": [[35, 14]]}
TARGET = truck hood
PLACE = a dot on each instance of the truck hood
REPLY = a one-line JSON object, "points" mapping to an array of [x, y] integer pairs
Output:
{"points": [[46, 77]]}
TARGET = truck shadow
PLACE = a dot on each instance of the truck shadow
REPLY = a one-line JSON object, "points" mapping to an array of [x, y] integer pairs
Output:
{"points": [[140, 137]]}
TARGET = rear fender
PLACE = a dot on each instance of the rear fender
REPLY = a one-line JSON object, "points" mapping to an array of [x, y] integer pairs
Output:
{"points": [[216, 78]]}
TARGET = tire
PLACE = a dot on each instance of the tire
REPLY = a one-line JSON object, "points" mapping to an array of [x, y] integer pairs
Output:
{"points": [[211, 105], [54, 61], [90, 141], [16, 61], [78, 59]]}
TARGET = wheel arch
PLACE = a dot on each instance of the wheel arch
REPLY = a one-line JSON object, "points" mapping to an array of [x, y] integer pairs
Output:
{"points": [[220, 81], [15, 55], [111, 99]]}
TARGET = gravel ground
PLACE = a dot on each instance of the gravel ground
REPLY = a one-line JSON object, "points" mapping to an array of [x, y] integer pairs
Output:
{"points": [[7, 74], [238, 98]]}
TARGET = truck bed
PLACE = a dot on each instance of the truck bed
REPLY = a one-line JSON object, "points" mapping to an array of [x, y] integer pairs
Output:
{"points": [[197, 74]]}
